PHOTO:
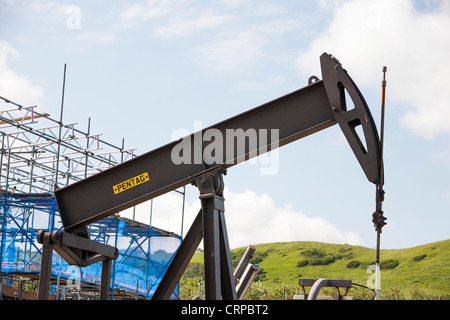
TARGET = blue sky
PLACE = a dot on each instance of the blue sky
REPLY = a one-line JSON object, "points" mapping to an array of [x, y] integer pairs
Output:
{"points": [[143, 69]]}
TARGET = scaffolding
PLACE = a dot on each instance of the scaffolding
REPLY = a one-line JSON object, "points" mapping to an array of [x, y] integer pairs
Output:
{"points": [[39, 152]]}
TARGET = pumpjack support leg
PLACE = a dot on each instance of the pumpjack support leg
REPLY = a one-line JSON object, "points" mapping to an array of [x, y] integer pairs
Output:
{"points": [[74, 250], [46, 265], [219, 280], [209, 226], [105, 281], [226, 269]]}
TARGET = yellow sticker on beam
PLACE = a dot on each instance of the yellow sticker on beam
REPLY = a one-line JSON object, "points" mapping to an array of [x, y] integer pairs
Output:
{"points": [[130, 183]]}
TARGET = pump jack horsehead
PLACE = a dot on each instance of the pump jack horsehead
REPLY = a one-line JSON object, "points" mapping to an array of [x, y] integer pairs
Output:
{"points": [[317, 106]]}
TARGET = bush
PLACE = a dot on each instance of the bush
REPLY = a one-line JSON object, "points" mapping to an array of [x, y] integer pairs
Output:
{"points": [[261, 275], [316, 262], [328, 260], [258, 257], [302, 263], [353, 264], [365, 265], [348, 256], [418, 258], [194, 270], [388, 264], [312, 254]]}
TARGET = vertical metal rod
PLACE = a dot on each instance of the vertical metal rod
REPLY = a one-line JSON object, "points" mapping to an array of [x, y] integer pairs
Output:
{"points": [[51, 217], [46, 267], [58, 287], [87, 147], [148, 255], [31, 170], [2, 233], [1, 287], [68, 172], [27, 227], [380, 192], [121, 151], [1, 159], [114, 263], [182, 210], [105, 281], [151, 212], [7, 172], [383, 97], [60, 124], [211, 252]]}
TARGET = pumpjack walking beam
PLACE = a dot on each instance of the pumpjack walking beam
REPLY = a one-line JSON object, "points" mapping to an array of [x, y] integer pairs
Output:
{"points": [[319, 105], [303, 112]]}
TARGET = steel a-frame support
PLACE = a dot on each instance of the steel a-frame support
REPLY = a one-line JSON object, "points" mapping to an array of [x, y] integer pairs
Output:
{"points": [[75, 250], [210, 226]]}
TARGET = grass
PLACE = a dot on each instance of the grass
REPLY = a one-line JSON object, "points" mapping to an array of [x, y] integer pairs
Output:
{"points": [[421, 272]]}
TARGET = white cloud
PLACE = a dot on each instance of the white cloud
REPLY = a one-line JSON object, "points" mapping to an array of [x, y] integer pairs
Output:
{"points": [[253, 219], [171, 19], [231, 38], [186, 23], [235, 52], [37, 6], [14, 87], [243, 48], [250, 219], [142, 12], [366, 35]]}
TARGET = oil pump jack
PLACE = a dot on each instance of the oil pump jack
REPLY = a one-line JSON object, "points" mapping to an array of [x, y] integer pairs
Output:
{"points": [[317, 106]]}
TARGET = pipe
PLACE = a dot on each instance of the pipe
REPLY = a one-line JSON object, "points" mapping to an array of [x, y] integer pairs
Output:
{"points": [[314, 292]]}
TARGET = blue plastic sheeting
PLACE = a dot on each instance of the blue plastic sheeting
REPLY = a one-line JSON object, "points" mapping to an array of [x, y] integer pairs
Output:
{"points": [[144, 252]]}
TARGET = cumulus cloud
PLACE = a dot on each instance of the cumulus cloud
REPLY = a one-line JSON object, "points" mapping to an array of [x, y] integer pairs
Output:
{"points": [[169, 19], [243, 48], [230, 38], [141, 12], [17, 88], [251, 219], [366, 35], [191, 21], [228, 52]]}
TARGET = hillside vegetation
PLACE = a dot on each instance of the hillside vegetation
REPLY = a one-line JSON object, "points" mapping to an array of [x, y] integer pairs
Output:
{"points": [[421, 272]]}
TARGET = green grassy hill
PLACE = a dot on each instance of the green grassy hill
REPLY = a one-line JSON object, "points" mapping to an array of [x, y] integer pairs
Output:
{"points": [[421, 272]]}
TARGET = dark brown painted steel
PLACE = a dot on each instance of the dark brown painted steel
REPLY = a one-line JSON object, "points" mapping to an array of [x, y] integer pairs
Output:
{"points": [[367, 147], [295, 115]]}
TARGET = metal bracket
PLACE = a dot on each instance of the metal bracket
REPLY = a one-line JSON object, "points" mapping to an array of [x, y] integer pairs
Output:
{"points": [[210, 226], [75, 250]]}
